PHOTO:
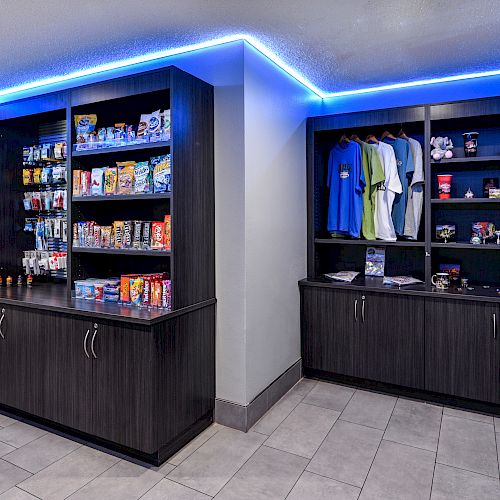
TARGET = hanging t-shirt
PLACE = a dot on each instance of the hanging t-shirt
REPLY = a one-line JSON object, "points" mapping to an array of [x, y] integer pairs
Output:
{"points": [[374, 175], [404, 161], [386, 192], [346, 181], [415, 192]]}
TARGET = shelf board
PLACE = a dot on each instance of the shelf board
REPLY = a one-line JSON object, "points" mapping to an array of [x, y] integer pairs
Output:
{"points": [[339, 241], [488, 246], [117, 149], [127, 197], [464, 201], [472, 159], [122, 251]]}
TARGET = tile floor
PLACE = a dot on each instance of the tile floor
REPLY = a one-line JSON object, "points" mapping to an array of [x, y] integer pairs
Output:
{"points": [[320, 441]]}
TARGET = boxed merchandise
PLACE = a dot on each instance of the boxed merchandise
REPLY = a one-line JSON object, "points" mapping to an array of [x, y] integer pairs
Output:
{"points": [[59, 174], [157, 293], [118, 231], [77, 186], [154, 126], [97, 179], [110, 180], [125, 177], [85, 183], [166, 296], [157, 235], [128, 228], [136, 290], [125, 287], [142, 175], [147, 291], [168, 233], [146, 235], [136, 238], [84, 127], [165, 126], [27, 176], [37, 175], [161, 173]]}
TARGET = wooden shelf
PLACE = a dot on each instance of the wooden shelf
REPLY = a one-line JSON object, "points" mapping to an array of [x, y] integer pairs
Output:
{"points": [[122, 251], [465, 201], [123, 197], [339, 241], [467, 246], [118, 149], [472, 159]]}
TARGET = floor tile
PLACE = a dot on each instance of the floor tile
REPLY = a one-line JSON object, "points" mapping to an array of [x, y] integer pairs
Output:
{"points": [[268, 475], [399, 472], [169, 490], [498, 448], [347, 453], [41, 452], [164, 469], [69, 474], [16, 494], [10, 475], [497, 424], [193, 445], [303, 431], [6, 421], [369, 408], [311, 486], [332, 396], [415, 424], [456, 484], [214, 463], [303, 387], [273, 418], [469, 445], [478, 417], [19, 434], [123, 481], [5, 448]]}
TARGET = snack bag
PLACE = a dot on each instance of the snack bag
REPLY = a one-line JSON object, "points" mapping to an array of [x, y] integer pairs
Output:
{"points": [[37, 175], [136, 290], [146, 235], [46, 177], [84, 125], [165, 126], [157, 235], [161, 173], [77, 185], [85, 182], [36, 201], [154, 126], [125, 177], [127, 234], [118, 231], [97, 178], [59, 150], [59, 174], [136, 239], [142, 129], [110, 180], [28, 176], [106, 236], [167, 244], [142, 175]]}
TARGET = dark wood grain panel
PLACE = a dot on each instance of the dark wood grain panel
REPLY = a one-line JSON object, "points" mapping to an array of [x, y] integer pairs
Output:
{"points": [[462, 356], [464, 109], [34, 105]]}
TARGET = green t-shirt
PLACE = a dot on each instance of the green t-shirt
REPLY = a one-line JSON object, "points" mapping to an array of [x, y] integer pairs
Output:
{"points": [[374, 175]]}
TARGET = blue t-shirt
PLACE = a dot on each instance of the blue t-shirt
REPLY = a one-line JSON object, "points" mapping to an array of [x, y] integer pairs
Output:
{"points": [[346, 181], [406, 167]]}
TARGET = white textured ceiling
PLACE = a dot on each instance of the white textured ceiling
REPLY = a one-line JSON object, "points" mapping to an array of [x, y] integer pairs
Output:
{"points": [[337, 45]]}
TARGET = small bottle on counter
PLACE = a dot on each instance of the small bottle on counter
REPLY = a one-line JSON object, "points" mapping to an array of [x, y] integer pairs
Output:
{"points": [[19, 280], [29, 281], [8, 281]]}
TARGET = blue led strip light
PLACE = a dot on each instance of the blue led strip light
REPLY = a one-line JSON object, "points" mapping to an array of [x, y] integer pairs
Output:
{"points": [[155, 56]]}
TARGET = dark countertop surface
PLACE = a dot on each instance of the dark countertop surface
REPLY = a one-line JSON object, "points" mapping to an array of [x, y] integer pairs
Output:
{"points": [[375, 284], [54, 297]]}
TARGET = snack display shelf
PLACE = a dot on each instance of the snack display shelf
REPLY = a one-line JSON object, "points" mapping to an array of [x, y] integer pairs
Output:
{"points": [[488, 246], [471, 159], [340, 241], [128, 147], [122, 251], [466, 201], [127, 197]]}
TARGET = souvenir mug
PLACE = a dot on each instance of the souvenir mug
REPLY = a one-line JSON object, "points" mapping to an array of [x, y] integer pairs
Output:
{"points": [[441, 280]]}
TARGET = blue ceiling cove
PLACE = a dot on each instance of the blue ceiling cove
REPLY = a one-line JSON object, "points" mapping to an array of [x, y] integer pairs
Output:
{"points": [[333, 48]]}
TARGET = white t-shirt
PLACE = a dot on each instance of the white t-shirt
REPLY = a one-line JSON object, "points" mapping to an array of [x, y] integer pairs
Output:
{"points": [[386, 192], [415, 192]]}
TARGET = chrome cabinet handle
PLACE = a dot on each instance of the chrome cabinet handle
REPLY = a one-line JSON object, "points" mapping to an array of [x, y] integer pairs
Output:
{"points": [[1, 321], [85, 344], [92, 342], [356, 310], [494, 325], [363, 309]]}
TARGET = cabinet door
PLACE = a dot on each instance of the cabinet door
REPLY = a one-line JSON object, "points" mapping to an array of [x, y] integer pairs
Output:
{"points": [[390, 345], [124, 395], [462, 357], [328, 329]]}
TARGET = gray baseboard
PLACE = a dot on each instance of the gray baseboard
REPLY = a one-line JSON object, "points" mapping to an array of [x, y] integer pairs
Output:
{"points": [[244, 417]]}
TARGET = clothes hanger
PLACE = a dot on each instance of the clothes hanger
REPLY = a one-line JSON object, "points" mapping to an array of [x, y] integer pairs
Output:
{"points": [[344, 138], [370, 138], [387, 134], [355, 138], [401, 133]]}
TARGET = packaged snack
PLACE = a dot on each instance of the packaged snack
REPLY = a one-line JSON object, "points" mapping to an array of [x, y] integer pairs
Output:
{"points": [[37, 175], [118, 231], [27, 176], [110, 180], [59, 150], [111, 293], [157, 235], [36, 153], [146, 235], [136, 239], [166, 295], [88, 290], [142, 129], [125, 177], [142, 175], [165, 125], [85, 183], [36, 201], [136, 291], [59, 174], [130, 133], [26, 154], [127, 234], [97, 236], [60, 199], [77, 184], [106, 236], [167, 243], [125, 287], [47, 200], [161, 173], [110, 136], [45, 152], [101, 137], [79, 287], [97, 178], [99, 290], [156, 295], [85, 123], [154, 126], [46, 177], [146, 296]]}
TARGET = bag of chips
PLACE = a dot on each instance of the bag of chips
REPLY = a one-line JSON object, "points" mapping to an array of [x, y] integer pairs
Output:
{"points": [[110, 180], [161, 173], [125, 177], [142, 174], [97, 186]]}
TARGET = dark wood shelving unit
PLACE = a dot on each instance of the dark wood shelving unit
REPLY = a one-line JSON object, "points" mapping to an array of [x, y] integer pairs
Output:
{"points": [[470, 159], [465, 201], [138, 380], [122, 149], [466, 246], [340, 241]]}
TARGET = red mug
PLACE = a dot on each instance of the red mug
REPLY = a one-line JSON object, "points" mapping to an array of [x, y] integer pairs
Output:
{"points": [[444, 185]]}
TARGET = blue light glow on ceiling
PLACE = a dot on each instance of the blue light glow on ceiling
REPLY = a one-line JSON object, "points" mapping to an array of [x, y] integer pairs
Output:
{"points": [[156, 56]]}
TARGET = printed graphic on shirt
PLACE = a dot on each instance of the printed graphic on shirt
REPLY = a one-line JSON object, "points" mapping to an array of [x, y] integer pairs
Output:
{"points": [[345, 170]]}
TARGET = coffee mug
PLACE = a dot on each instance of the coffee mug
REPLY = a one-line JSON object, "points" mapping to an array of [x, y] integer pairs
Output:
{"points": [[441, 280]]}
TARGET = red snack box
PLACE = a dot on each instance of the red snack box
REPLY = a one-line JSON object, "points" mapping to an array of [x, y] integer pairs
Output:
{"points": [[147, 292], [167, 241], [157, 235], [125, 287], [156, 297]]}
